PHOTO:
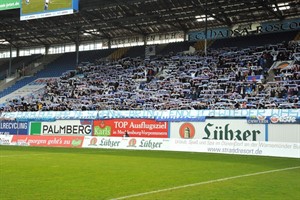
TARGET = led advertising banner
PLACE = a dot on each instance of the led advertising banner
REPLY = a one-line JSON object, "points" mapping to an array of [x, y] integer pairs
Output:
{"points": [[9, 4], [48, 141], [34, 9], [147, 128], [61, 127], [13, 128]]}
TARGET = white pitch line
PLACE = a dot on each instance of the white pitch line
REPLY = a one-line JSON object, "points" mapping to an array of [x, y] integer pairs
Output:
{"points": [[205, 182]]}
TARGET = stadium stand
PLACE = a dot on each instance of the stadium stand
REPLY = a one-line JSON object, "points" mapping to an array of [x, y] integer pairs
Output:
{"points": [[135, 52], [90, 56], [175, 48], [18, 64], [221, 70], [226, 78]]}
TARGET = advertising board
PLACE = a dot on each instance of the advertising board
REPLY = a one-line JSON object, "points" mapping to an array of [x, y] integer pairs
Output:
{"points": [[9, 4], [284, 132], [61, 127], [147, 128], [246, 29], [260, 148], [218, 129], [126, 143], [13, 128], [256, 148], [5, 139], [48, 141]]}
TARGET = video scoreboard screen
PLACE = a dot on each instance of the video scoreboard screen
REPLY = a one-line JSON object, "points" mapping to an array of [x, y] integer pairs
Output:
{"points": [[9, 4], [35, 9]]}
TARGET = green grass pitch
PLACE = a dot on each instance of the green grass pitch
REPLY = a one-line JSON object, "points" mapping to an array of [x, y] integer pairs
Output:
{"points": [[31, 173], [36, 6]]}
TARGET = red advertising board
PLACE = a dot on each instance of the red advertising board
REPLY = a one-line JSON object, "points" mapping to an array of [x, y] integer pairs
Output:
{"points": [[48, 141], [146, 128]]}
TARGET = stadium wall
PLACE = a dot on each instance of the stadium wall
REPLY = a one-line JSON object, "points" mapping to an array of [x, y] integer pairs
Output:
{"points": [[235, 133]]}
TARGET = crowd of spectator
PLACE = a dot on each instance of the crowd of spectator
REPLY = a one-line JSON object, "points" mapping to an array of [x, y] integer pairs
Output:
{"points": [[228, 78]]}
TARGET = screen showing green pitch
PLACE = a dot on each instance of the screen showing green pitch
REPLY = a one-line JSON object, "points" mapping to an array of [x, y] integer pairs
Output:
{"points": [[34, 9], [9, 4]]}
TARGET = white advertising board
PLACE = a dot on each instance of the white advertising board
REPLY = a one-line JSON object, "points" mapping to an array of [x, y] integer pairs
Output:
{"points": [[5, 139], [229, 129], [61, 127], [258, 148], [284, 132], [126, 143]]}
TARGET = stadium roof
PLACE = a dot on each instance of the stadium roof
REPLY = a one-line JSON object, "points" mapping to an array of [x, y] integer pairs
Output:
{"points": [[107, 19]]}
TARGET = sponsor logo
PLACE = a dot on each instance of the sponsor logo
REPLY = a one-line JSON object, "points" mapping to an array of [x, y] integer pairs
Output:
{"points": [[261, 118], [38, 128], [258, 120], [148, 128], [132, 143], [93, 142], [283, 120], [12, 125], [102, 130], [150, 144], [274, 119], [109, 143], [187, 131], [4, 141], [76, 142], [215, 132]]}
